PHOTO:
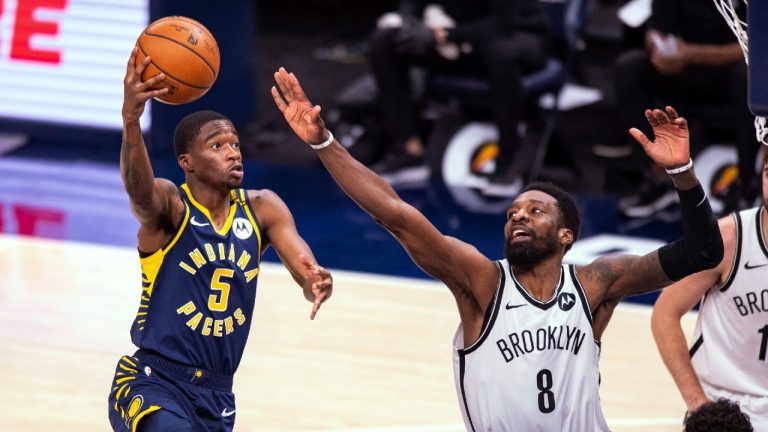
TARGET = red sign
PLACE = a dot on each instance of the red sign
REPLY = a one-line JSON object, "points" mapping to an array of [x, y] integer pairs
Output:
{"points": [[27, 24]]}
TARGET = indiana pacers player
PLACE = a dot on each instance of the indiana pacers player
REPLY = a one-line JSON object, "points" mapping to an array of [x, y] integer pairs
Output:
{"points": [[527, 349], [200, 248]]}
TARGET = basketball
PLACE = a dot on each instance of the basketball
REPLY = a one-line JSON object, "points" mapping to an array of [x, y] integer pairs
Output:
{"points": [[185, 51]]}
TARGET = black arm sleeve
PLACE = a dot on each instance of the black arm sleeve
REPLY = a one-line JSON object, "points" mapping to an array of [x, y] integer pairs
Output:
{"points": [[701, 247]]}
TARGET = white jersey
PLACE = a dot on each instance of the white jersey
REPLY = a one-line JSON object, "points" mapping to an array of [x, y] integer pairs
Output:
{"points": [[731, 334], [535, 365]]}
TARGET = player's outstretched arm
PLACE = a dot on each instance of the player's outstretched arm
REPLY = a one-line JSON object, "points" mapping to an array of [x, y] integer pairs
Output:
{"points": [[674, 302], [701, 246], [470, 275], [151, 199], [135, 168], [280, 231]]}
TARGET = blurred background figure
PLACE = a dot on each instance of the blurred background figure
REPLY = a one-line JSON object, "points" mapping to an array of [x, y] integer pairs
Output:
{"points": [[690, 59], [495, 39]]}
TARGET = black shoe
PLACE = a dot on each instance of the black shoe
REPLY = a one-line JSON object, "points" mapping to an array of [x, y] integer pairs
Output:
{"points": [[650, 198], [402, 168]]}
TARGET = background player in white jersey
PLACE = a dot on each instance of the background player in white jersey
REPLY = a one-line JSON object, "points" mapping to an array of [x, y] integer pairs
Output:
{"points": [[727, 358], [533, 365]]}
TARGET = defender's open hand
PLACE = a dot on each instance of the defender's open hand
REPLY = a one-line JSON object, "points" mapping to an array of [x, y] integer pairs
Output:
{"points": [[301, 115], [671, 148]]}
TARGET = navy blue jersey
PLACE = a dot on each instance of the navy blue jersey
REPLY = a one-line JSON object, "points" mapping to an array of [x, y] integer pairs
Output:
{"points": [[199, 290]]}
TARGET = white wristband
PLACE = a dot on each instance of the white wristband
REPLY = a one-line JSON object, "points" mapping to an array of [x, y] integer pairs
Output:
{"points": [[323, 144], [681, 169]]}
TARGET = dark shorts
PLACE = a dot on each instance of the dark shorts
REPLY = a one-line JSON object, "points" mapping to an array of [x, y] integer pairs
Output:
{"points": [[181, 397]]}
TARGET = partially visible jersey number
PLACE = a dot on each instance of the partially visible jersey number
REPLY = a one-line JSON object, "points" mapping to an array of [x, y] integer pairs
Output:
{"points": [[546, 397], [763, 342], [218, 301]]}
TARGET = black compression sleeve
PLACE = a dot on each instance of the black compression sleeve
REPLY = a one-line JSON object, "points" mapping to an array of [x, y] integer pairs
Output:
{"points": [[701, 247]]}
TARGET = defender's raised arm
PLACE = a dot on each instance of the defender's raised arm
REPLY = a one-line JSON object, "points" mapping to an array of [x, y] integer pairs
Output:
{"points": [[469, 274], [701, 247]]}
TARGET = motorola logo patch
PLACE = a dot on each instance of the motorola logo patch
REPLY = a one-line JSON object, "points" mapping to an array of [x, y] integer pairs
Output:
{"points": [[566, 301], [242, 228]]}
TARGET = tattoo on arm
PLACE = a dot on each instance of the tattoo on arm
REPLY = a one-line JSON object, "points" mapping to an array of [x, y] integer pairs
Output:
{"points": [[600, 272], [130, 177], [624, 275]]}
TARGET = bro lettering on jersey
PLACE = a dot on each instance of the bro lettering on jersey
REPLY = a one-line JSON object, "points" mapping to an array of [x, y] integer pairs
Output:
{"points": [[751, 302]]}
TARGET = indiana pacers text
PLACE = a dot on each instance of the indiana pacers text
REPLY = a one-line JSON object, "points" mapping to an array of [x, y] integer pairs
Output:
{"points": [[218, 300]]}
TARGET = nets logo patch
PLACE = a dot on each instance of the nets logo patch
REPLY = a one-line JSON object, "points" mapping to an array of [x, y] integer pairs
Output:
{"points": [[242, 228], [566, 301]]}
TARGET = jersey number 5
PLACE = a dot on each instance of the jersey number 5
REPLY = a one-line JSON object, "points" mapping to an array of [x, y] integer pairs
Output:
{"points": [[546, 397], [219, 302]]}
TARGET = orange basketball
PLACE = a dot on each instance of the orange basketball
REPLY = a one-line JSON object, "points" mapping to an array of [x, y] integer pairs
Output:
{"points": [[185, 51]]}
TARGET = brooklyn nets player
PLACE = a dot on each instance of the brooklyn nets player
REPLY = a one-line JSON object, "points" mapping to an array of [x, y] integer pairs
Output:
{"points": [[728, 356], [526, 350]]}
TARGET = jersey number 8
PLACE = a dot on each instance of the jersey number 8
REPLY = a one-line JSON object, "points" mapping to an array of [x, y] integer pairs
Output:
{"points": [[546, 397]]}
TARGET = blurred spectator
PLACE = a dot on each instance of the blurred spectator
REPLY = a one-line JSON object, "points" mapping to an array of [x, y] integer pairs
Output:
{"points": [[498, 39], [693, 61]]}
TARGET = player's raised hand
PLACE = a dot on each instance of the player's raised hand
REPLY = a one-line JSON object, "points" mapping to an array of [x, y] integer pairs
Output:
{"points": [[320, 282], [137, 93], [303, 117], [671, 147]]}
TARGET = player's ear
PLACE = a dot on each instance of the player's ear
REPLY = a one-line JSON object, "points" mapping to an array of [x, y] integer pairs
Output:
{"points": [[185, 163], [566, 236]]}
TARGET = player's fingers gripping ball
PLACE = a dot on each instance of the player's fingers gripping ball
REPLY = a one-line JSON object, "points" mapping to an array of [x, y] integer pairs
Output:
{"points": [[185, 51]]}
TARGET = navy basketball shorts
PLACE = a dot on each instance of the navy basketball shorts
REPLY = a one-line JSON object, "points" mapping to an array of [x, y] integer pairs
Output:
{"points": [[150, 393]]}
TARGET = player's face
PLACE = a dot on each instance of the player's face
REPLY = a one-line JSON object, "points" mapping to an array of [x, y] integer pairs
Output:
{"points": [[531, 231], [215, 154]]}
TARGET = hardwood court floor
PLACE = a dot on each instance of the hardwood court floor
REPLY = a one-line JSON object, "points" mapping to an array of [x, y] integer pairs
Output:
{"points": [[377, 358]]}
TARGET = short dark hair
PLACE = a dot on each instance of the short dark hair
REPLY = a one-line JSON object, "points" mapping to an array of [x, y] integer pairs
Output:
{"points": [[717, 416], [569, 211], [190, 126]]}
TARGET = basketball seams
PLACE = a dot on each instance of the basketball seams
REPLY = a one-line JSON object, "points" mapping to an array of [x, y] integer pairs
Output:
{"points": [[170, 41], [206, 32], [210, 66], [193, 23], [138, 43], [196, 24]]}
